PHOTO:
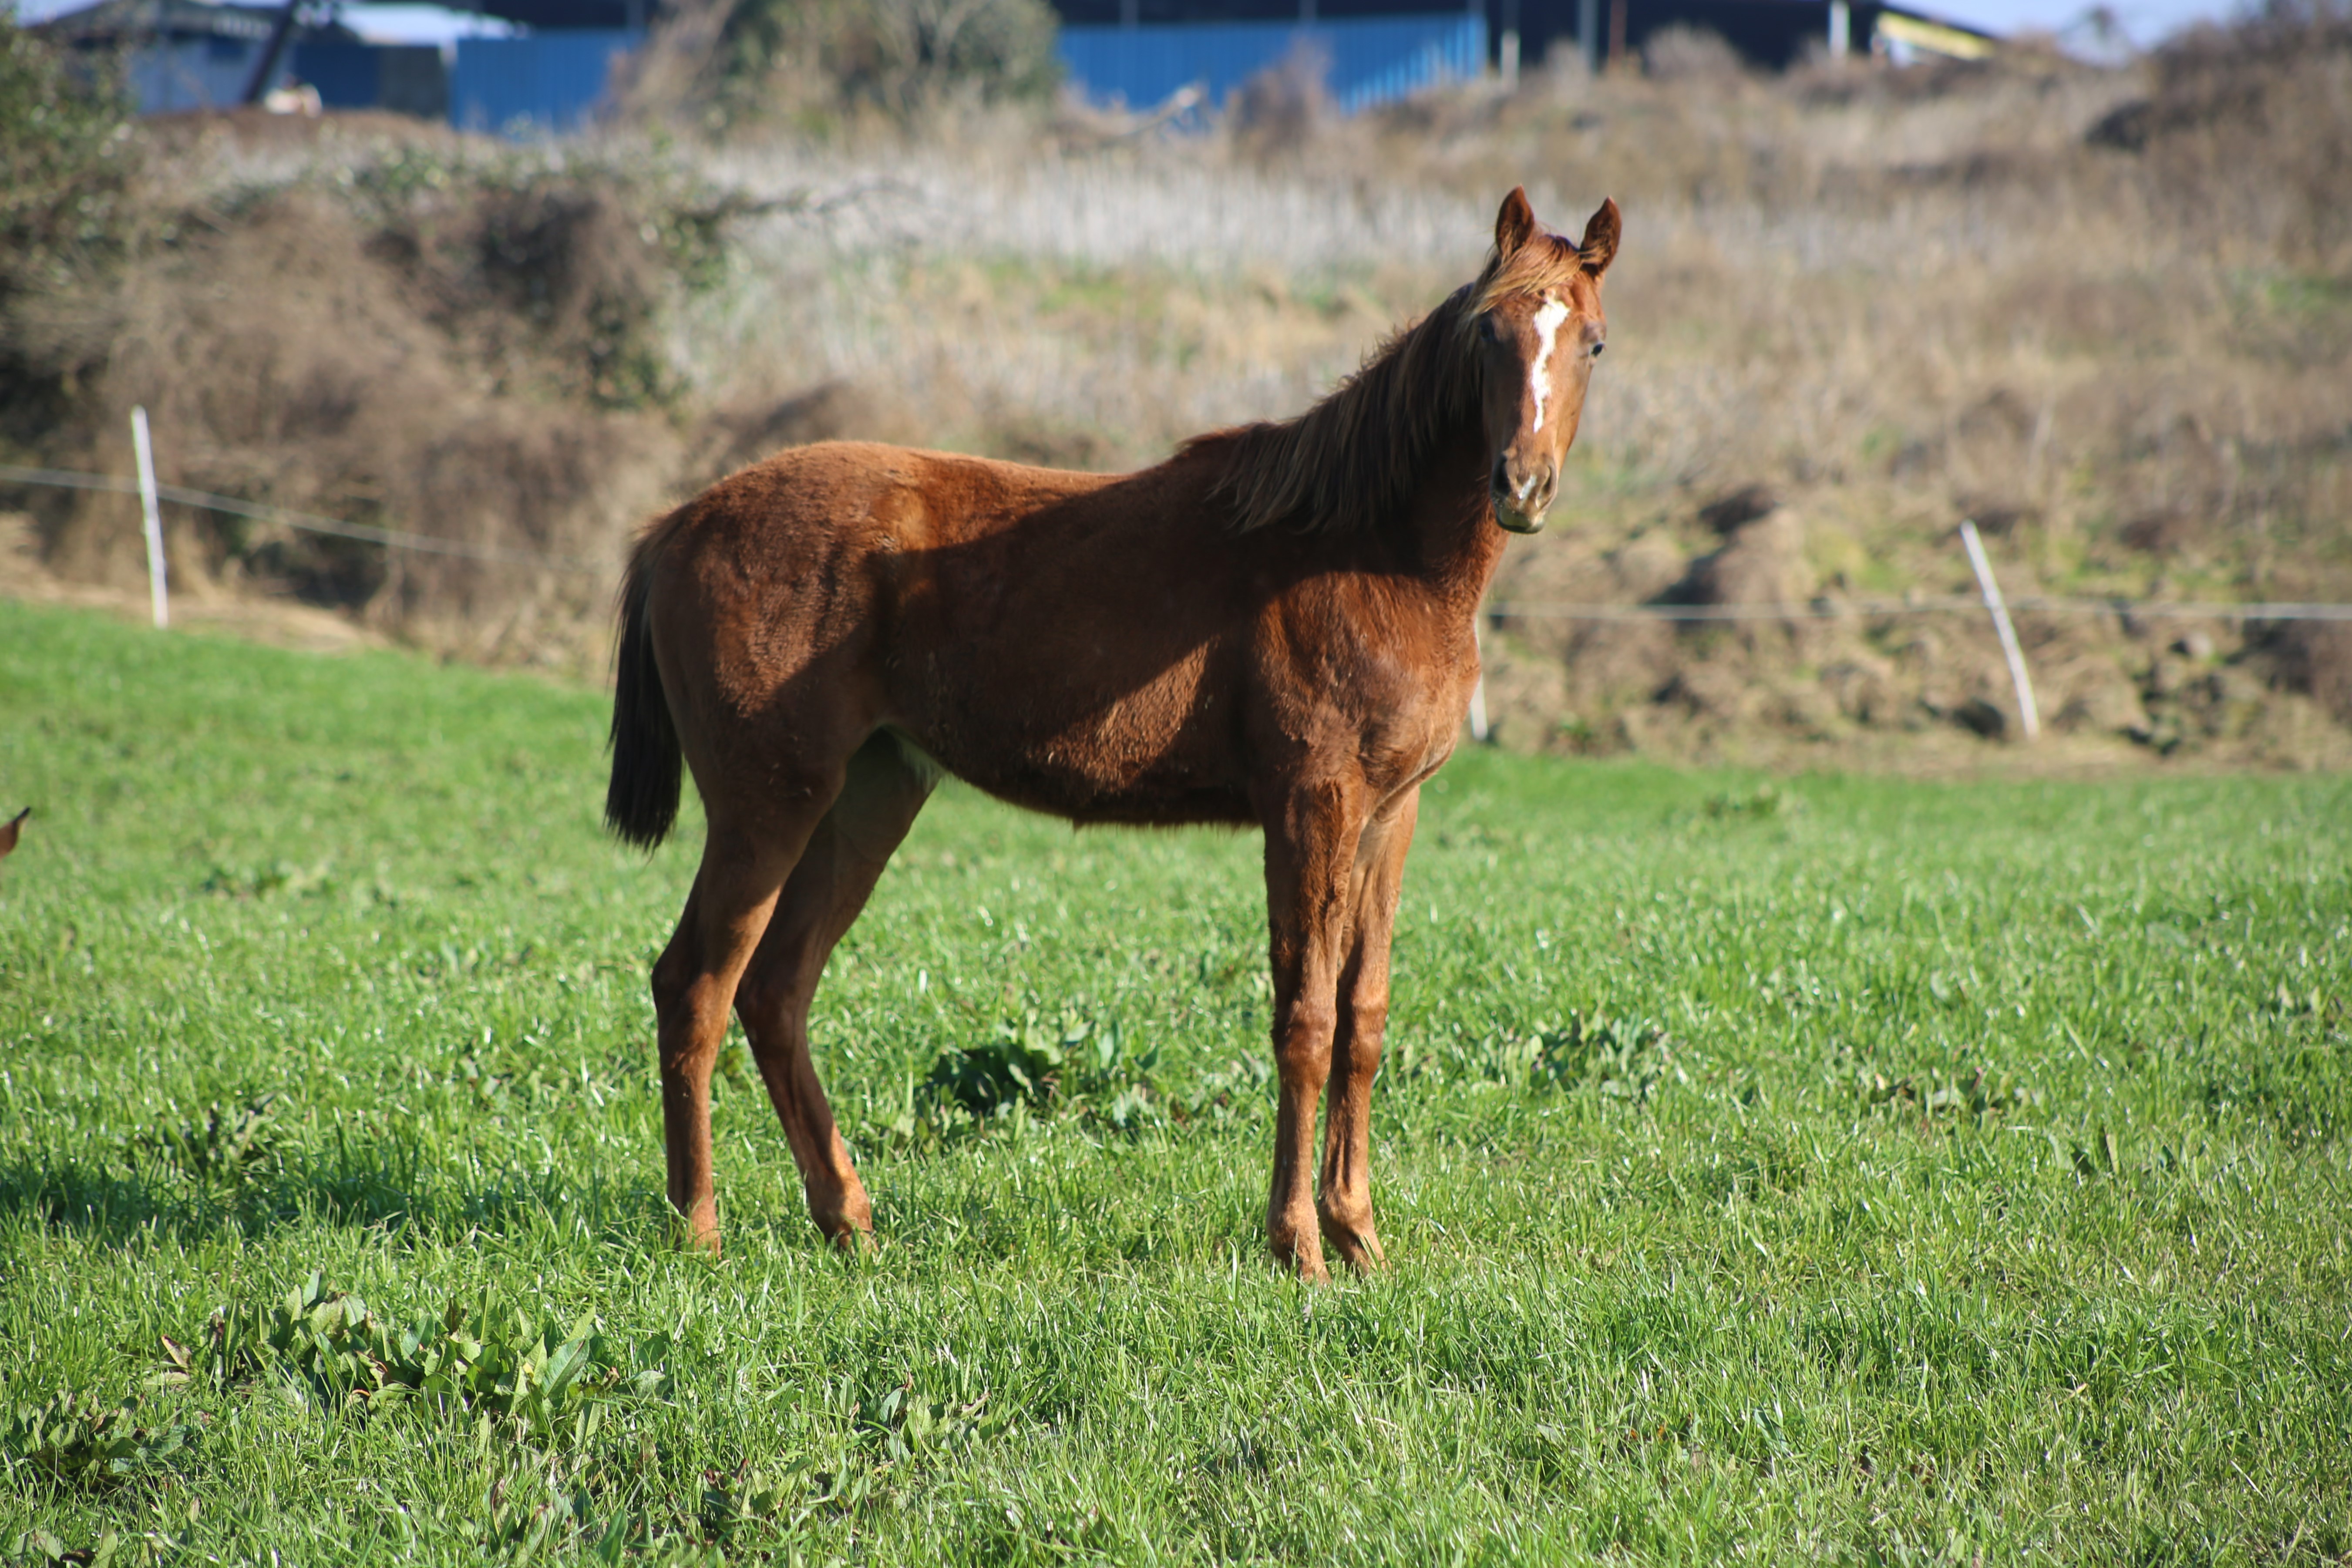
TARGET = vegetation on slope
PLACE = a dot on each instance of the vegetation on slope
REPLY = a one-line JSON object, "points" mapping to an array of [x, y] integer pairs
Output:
{"points": [[2102, 311], [731, 65]]}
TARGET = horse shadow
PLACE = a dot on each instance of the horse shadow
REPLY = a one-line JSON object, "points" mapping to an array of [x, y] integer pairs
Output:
{"points": [[119, 1202]]}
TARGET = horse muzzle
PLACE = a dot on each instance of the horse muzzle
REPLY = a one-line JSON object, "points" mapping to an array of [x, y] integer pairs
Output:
{"points": [[1521, 499], [1509, 515]]}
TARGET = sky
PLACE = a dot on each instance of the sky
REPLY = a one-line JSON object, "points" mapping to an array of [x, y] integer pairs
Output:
{"points": [[383, 23], [2144, 21]]}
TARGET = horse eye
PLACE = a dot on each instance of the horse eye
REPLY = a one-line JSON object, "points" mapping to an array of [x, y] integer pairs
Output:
{"points": [[1486, 331], [1597, 348]]}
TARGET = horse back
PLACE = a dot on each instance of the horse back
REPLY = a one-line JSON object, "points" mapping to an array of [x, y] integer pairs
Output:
{"points": [[1063, 641], [1101, 647]]}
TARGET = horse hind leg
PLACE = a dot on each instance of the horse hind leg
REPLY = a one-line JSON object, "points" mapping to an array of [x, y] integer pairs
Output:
{"points": [[837, 871], [693, 983]]}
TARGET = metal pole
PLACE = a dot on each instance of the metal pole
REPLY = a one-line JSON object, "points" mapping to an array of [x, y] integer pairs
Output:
{"points": [[1588, 33], [2028, 717], [158, 595], [1840, 29], [266, 67]]}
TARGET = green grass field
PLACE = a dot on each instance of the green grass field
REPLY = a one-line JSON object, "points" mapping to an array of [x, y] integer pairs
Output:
{"points": [[1837, 1168]]}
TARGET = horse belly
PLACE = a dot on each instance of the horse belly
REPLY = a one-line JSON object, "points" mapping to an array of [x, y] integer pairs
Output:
{"points": [[1162, 753]]}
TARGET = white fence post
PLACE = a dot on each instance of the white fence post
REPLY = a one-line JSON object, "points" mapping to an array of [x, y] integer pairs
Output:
{"points": [[1478, 692], [2027, 716], [158, 595]]}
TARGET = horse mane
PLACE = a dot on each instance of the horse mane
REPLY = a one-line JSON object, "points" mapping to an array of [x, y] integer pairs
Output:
{"points": [[1351, 461]]}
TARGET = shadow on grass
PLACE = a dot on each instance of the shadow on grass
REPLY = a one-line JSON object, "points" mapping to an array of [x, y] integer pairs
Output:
{"points": [[116, 1202]]}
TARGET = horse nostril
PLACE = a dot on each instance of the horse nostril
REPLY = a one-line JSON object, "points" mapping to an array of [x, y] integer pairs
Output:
{"points": [[1500, 481]]}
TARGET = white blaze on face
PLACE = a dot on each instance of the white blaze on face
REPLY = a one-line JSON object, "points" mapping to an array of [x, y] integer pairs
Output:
{"points": [[1548, 318]]}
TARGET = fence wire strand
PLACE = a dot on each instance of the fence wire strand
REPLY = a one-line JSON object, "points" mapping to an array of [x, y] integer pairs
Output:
{"points": [[1867, 609], [1809, 610], [391, 538]]}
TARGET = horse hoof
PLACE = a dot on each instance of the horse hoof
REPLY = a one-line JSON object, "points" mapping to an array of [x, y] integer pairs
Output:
{"points": [[698, 1240], [1358, 1244], [1306, 1261]]}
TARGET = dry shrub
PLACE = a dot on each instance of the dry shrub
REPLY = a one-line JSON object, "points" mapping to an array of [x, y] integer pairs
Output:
{"points": [[68, 162], [2315, 658], [1761, 563], [1691, 54], [818, 66], [2273, 94], [751, 429], [1735, 510], [462, 349], [66, 158], [1276, 114]]}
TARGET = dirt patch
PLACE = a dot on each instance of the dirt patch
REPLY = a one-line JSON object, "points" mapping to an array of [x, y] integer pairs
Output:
{"points": [[2314, 657], [277, 621], [1837, 682]]}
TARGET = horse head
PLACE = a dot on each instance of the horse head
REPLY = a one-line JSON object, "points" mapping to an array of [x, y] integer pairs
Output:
{"points": [[1536, 323]]}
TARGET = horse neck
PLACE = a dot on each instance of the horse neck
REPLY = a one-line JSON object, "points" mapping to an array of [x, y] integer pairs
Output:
{"points": [[1446, 523], [1450, 523]]}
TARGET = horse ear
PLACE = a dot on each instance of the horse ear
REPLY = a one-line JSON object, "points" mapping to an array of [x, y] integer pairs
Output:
{"points": [[1600, 245], [1515, 225]]}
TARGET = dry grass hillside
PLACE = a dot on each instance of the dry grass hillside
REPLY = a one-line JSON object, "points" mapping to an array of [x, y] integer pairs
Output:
{"points": [[2107, 313]]}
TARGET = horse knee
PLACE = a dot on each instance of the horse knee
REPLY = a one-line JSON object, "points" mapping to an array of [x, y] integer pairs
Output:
{"points": [[1302, 1043], [769, 1004], [689, 1012], [758, 996], [672, 982]]}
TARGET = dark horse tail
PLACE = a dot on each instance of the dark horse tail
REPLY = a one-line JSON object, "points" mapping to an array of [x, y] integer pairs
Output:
{"points": [[641, 802]]}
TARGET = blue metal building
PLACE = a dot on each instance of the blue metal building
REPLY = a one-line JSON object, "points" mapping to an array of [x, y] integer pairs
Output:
{"points": [[1365, 60], [549, 82]]}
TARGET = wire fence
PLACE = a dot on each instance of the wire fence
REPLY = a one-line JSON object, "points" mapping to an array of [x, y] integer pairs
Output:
{"points": [[1943, 604], [1820, 609], [390, 538]]}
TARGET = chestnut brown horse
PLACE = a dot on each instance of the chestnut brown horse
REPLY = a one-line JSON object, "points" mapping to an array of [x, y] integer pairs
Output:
{"points": [[1274, 627]]}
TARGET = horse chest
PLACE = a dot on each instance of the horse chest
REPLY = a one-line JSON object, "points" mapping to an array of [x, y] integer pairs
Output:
{"points": [[1398, 713]]}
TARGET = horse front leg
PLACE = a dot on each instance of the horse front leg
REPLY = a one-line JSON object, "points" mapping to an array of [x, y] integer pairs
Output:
{"points": [[1344, 1204], [1310, 850]]}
